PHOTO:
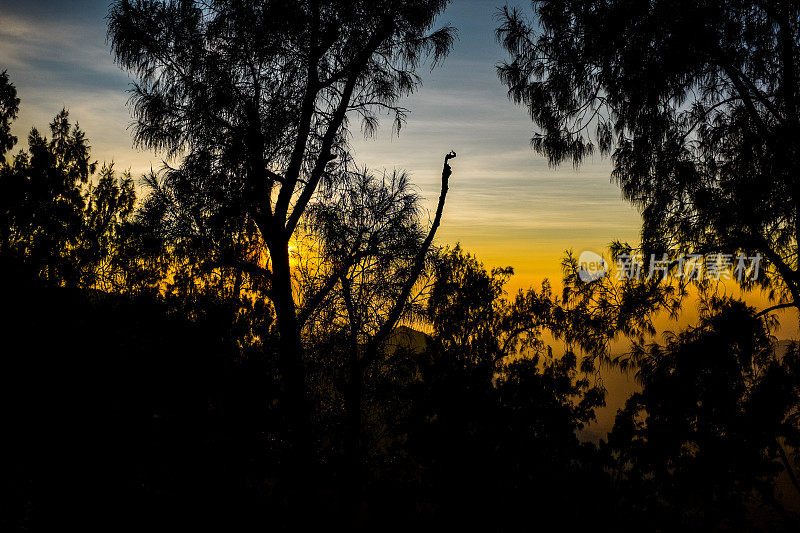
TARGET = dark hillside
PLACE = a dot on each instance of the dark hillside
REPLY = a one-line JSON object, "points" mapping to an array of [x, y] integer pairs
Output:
{"points": [[114, 411]]}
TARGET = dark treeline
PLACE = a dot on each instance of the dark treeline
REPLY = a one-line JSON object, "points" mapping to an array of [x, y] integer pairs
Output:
{"points": [[242, 346]]}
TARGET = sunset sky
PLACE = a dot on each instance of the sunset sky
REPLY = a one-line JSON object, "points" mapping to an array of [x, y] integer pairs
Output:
{"points": [[505, 203]]}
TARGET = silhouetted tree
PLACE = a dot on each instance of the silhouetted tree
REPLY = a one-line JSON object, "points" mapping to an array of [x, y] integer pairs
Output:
{"points": [[102, 253], [705, 438], [471, 316], [44, 200], [365, 276], [366, 239], [264, 89], [591, 315], [9, 107], [697, 103], [492, 425], [207, 255], [66, 226]]}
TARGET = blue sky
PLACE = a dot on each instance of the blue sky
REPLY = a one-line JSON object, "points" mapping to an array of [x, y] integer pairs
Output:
{"points": [[505, 204]]}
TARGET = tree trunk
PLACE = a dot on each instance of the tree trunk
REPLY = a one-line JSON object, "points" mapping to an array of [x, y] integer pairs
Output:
{"points": [[353, 404], [353, 390], [355, 449], [290, 354]]}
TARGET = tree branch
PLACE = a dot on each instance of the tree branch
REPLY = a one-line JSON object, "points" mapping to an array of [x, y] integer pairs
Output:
{"points": [[776, 307], [419, 264], [325, 156]]}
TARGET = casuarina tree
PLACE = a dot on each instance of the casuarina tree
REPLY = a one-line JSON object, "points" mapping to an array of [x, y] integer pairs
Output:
{"points": [[697, 104], [265, 90]]}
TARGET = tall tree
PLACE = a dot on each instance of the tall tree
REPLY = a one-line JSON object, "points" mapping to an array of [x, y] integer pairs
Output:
{"points": [[265, 90], [66, 226], [9, 107], [714, 396], [372, 243], [696, 102], [44, 201]]}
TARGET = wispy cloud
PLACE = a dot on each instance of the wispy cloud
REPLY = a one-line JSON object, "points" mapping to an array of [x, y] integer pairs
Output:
{"points": [[75, 52], [63, 63]]}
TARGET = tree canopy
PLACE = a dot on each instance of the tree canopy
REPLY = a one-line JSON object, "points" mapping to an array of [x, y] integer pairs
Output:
{"points": [[695, 102]]}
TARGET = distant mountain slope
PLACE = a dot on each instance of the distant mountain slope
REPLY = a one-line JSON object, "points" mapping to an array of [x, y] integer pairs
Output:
{"points": [[409, 338]]}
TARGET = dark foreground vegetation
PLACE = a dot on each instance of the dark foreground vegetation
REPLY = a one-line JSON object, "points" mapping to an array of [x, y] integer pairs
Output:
{"points": [[123, 414], [242, 348]]}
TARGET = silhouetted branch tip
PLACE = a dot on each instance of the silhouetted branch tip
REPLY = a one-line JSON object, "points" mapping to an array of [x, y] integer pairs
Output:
{"points": [[446, 171]]}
